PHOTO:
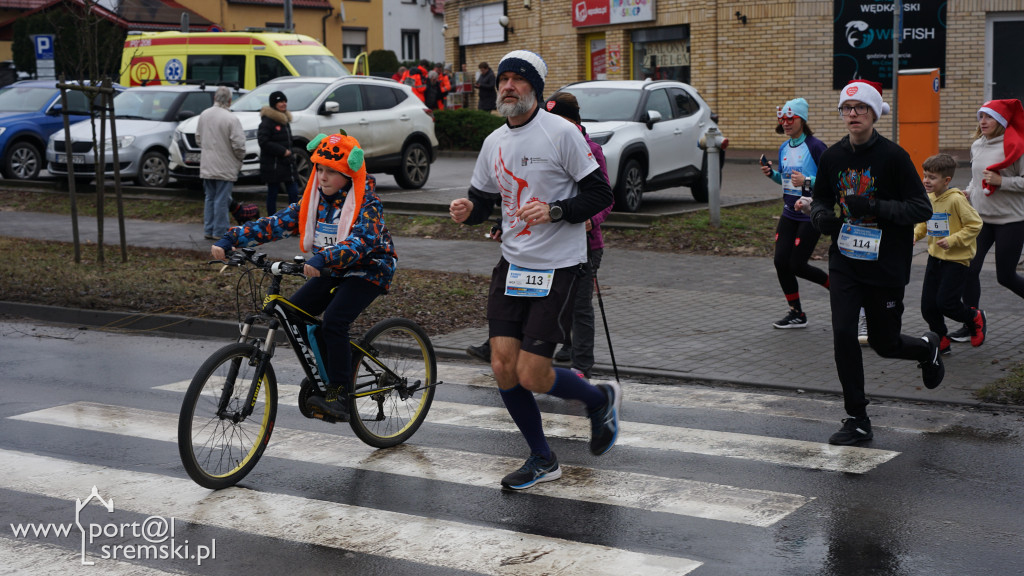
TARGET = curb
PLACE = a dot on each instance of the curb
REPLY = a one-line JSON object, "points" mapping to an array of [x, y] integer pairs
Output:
{"points": [[184, 326]]}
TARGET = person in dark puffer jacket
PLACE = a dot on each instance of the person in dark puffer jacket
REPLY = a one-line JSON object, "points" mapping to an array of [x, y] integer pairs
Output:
{"points": [[277, 163]]}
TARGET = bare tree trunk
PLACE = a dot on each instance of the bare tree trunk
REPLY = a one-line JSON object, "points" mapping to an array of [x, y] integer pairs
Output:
{"points": [[109, 97], [71, 168]]}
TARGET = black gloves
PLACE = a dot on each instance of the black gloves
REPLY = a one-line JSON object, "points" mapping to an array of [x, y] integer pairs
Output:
{"points": [[859, 206], [826, 223]]}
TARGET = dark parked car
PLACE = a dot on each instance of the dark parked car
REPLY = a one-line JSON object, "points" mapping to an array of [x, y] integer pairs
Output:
{"points": [[30, 111]]}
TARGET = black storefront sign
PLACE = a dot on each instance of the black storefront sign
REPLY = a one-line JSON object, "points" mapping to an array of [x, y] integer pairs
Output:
{"points": [[862, 39]]}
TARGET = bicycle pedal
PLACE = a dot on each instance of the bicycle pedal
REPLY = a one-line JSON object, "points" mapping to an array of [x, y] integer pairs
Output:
{"points": [[324, 417]]}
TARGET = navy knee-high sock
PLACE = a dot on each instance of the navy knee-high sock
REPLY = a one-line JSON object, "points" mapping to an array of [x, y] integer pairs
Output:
{"points": [[571, 387], [523, 408]]}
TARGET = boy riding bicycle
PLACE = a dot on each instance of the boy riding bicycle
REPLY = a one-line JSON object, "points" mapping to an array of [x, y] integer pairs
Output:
{"points": [[341, 221]]}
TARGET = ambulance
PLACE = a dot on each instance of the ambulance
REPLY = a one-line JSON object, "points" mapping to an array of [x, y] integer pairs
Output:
{"points": [[246, 59]]}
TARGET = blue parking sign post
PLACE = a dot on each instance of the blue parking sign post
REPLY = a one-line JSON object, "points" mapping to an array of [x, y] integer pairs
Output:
{"points": [[43, 44]]}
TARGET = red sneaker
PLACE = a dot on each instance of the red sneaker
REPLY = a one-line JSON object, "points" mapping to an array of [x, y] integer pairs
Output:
{"points": [[944, 346], [979, 325]]}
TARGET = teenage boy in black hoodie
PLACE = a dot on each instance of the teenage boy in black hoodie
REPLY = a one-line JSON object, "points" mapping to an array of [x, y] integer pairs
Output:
{"points": [[880, 199]]}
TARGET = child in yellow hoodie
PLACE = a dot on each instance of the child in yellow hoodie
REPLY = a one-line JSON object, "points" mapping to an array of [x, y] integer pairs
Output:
{"points": [[951, 233]]}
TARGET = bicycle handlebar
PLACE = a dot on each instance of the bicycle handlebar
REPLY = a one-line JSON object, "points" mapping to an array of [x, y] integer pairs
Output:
{"points": [[259, 260]]}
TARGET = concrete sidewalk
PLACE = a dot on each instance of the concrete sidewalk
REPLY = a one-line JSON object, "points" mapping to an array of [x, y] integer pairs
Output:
{"points": [[676, 316]]}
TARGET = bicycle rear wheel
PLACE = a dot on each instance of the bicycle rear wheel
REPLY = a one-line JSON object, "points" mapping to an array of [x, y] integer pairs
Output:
{"points": [[217, 446], [394, 384]]}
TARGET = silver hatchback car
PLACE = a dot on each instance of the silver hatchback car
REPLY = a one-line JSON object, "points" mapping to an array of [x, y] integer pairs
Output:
{"points": [[145, 121]]}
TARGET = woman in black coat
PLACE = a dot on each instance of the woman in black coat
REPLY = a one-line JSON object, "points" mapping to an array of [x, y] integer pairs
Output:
{"points": [[277, 164]]}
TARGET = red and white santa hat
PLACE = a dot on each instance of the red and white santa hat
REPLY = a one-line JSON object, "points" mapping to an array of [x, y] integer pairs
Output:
{"points": [[1010, 115], [867, 92]]}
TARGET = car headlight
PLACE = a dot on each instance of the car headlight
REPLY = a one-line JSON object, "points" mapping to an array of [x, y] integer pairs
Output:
{"points": [[251, 134], [602, 138], [122, 142]]}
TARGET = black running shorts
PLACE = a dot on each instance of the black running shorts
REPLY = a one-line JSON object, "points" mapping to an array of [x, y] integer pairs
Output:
{"points": [[541, 324]]}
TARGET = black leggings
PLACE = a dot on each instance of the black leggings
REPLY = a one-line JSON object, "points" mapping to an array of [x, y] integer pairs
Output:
{"points": [[794, 244], [1008, 239]]}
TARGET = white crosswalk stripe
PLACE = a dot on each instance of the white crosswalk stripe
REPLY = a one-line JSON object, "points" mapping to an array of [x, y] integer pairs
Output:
{"points": [[297, 519], [378, 532], [645, 492], [782, 451]]}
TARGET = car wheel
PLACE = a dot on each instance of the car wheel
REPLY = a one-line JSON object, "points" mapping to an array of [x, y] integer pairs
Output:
{"points": [[23, 161], [415, 168], [629, 190], [303, 167], [153, 171]]}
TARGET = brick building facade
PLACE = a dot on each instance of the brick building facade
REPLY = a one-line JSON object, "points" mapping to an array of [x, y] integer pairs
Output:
{"points": [[746, 58]]}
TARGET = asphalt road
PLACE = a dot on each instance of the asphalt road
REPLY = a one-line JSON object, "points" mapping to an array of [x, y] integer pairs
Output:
{"points": [[712, 481]]}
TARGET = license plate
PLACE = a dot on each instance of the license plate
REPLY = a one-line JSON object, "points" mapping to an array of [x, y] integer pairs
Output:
{"points": [[75, 159], [192, 157]]}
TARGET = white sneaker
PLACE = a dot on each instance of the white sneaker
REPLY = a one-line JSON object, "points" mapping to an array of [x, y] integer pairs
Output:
{"points": [[862, 330]]}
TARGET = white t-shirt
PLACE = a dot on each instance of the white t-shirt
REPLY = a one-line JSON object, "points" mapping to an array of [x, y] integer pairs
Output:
{"points": [[542, 161]]}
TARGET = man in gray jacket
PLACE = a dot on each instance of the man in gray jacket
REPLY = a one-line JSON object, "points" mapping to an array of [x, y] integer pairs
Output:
{"points": [[222, 144]]}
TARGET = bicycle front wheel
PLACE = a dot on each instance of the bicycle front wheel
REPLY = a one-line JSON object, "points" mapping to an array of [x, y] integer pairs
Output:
{"points": [[217, 443], [393, 382]]}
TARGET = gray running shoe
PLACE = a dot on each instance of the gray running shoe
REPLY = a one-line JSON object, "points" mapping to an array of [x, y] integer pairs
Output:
{"points": [[537, 469], [604, 422]]}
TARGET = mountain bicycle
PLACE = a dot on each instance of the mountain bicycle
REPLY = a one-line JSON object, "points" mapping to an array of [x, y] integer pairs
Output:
{"points": [[231, 404]]}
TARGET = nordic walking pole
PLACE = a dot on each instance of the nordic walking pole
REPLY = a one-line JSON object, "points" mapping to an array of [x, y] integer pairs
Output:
{"points": [[604, 318]]}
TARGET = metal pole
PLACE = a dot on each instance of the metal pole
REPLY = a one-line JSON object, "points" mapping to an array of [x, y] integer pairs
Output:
{"points": [[288, 15], [604, 318], [712, 140], [897, 8]]}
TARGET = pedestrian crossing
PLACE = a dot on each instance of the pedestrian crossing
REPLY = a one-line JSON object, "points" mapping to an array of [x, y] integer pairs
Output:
{"points": [[481, 548]]}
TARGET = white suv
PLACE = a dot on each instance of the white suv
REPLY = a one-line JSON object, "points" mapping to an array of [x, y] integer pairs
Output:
{"points": [[394, 128], [649, 132]]}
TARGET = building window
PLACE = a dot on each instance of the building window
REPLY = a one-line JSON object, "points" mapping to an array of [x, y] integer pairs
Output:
{"points": [[410, 44], [661, 53], [353, 43]]}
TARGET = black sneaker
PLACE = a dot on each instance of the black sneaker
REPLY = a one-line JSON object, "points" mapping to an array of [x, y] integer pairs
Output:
{"points": [[932, 369], [334, 405], [963, 334], [537, 469], [854, 430], [792, 320], [604, 422], [481, 352], [564, 354]]}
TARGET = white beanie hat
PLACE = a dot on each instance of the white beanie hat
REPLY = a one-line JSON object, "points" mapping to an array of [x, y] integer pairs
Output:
{"points": [[867, 92]]}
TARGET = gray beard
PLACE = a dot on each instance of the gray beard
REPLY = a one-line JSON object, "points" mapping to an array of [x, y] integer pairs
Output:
{"points": [[522, 106]]}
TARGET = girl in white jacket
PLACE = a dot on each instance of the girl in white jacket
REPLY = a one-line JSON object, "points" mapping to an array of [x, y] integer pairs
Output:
{"points": [[996, 191]]}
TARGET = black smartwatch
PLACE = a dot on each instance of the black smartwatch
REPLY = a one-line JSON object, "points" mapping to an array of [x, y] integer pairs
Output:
{"points": [[554, 212]]}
